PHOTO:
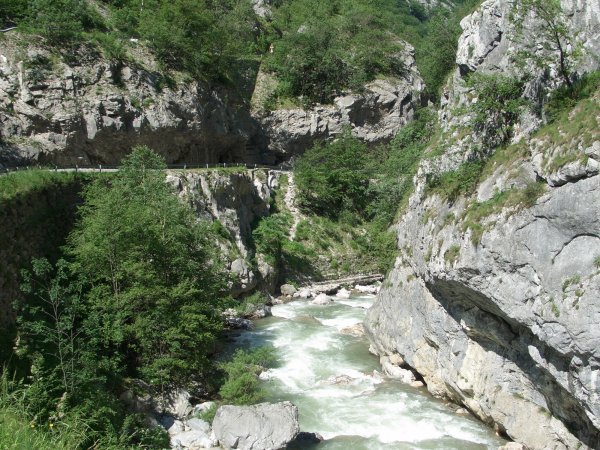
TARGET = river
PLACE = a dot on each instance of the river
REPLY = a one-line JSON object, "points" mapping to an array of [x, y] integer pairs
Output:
{"points": [[362, 411]]}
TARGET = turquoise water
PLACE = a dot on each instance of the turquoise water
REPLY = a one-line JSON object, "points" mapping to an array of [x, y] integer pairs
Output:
{"points": [[333, 380]]}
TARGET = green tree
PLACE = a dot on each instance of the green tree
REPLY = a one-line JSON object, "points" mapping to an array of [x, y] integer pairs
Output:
{"points": [[156, 280], [551, 30], [62, 22], [331, 178]]}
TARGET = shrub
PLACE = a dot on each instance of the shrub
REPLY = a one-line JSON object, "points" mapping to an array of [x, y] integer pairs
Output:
{"points": [[242, 386], [457, 182], [498, 106], [451, 255], [332, 178]]}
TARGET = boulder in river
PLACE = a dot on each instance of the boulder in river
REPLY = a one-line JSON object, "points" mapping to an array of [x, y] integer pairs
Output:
{"points": [[287, 289], [263, 426], [343, 293], [356, 330], [322, 299]]}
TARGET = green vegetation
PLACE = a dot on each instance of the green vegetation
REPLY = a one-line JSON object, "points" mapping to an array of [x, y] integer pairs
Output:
{"points": [[322, 49], [242, 386], [24, 182], [451, 255], [333, 178], [552, 32], [203, 38], [574, 122], [498, 106], [555, 309], [138, 294], [574, 280], [566, 98], [597, 262], [319, 48], [513, 199], [346, 183], [455, 183]]}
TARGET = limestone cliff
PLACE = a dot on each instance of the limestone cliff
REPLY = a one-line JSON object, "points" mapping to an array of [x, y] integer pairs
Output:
{"points": [[235, 200], [86, 109], [374, 115], [89, 110], [495, 297]]}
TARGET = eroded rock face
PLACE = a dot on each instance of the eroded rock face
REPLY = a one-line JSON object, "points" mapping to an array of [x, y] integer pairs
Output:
{"points": [[92, 111], [499, 315], [508, 327], [374, 115], [260, 427], [237, 200]]}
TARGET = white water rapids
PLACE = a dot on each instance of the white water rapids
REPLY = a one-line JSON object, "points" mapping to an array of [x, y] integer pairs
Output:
{"points": [[364, 410]]}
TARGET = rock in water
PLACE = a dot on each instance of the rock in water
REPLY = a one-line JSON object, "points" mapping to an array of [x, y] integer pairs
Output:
{"points": [[322, 299], [287, 289], [264, 426], [343, 293]]}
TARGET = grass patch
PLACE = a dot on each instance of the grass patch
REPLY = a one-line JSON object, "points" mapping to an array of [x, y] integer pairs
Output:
{"points": [[451, 255], [512, 199], [24, 182], [454, 183], [576, 279]]}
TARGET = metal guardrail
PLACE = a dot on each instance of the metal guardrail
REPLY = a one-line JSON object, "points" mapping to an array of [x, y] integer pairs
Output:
{"points": [[99, 168]]}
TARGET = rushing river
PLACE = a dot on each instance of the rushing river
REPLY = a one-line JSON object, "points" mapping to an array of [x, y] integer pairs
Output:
{"points": [[330, 377]]}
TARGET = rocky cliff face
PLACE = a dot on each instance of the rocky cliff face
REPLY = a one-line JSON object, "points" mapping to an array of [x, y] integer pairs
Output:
{"points": [[495, 296], [236, 200], [88, 110], [374, 115]]}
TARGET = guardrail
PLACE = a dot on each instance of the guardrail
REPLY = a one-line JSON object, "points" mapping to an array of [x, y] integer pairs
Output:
{"points": [[99, 168]]}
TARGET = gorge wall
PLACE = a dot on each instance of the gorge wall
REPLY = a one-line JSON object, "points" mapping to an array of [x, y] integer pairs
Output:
{"points": [[496, 294], [89, 110]]}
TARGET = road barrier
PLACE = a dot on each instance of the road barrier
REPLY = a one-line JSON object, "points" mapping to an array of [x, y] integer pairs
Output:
{"points": [[99, 168]]}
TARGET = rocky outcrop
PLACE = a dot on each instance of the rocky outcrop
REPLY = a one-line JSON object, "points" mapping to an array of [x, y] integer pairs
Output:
{"points": [[374, 115], [90, 110], [494, 298], [234, 200], [263, 426]]}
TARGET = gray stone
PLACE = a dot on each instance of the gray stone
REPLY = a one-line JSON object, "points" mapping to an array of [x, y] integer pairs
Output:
{"points": [[287, 289], [357, 330], [193, 440], [263, 426], [176, 403], [513, 446], [375, 114], [322, 299], [238, 323], [196, 424], [343, 293], [518, 307]]}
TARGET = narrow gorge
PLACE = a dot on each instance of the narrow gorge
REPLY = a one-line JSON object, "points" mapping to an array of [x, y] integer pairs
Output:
{"points": [[332, 225]]}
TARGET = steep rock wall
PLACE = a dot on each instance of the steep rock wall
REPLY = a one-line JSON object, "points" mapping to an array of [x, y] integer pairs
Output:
{"points": [[498, 314], [374, 115], [237, 200], [33, 225], [90, 110]]}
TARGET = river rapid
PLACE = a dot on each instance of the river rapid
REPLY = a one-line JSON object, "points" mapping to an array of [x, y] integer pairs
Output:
{"points": [[333, 379]]}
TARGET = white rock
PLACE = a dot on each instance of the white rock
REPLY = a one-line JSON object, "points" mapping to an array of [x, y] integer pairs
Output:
{"points": [[343, 293], [322, 299]]}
